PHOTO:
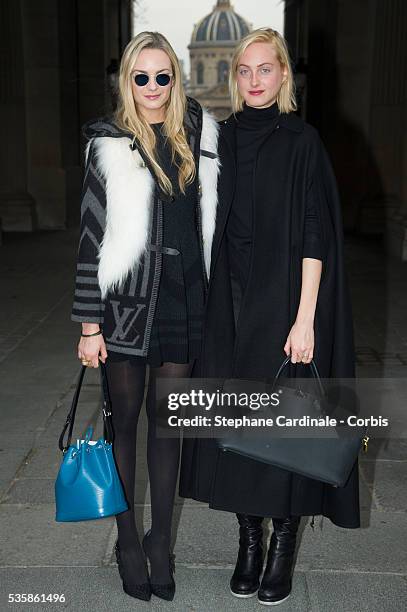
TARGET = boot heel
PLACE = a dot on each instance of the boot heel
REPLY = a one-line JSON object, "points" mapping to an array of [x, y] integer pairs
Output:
{"points": [[276, 583], [246, 576]]}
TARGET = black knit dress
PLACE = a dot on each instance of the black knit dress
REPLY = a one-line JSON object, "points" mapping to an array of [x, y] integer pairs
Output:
{"points": [[177, 326]]}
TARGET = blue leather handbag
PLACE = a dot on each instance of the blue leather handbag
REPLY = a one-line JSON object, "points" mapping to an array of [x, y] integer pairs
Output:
{"points": [[88, 485]]}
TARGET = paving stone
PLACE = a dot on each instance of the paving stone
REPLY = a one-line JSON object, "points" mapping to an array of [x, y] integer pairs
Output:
{"points": [[19, 440], [378, 547], [30, 536], [356, 592], [10, 461], [367, 500], [385, 449], [4, 485], [388, 480], [203, 590], [31, 491], [330, 548]]}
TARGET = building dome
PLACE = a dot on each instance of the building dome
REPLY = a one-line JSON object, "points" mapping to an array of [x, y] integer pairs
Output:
{"points": [[221, 27]]}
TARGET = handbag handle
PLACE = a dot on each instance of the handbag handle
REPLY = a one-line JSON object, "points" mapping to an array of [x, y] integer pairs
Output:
{"points": [[314, 370], [106, 410]]}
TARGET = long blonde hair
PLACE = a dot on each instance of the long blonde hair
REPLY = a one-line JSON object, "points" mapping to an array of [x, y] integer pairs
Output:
{"points": [[286, 96], [129, 118]]}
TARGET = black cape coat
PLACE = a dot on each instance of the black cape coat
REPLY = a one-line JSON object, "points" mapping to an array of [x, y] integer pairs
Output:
{"points": [[291, 171]]}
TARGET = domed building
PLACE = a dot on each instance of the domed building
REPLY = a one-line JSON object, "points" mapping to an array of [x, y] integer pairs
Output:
{"points": [[211, 49]]}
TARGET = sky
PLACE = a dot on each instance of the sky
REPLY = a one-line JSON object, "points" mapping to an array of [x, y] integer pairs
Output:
{"points": [[176, 18]]}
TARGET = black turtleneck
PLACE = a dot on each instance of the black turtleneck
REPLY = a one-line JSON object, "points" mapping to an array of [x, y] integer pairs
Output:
{"points": [[254, 118], [251, 128]]}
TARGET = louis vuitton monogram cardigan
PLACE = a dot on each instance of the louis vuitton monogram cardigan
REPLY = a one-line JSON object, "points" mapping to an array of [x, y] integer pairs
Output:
{"points": [[120, 250]]}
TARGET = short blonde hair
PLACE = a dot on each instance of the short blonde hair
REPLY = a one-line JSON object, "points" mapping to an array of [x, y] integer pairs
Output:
{"points": [[129, 118], [286, 96]]}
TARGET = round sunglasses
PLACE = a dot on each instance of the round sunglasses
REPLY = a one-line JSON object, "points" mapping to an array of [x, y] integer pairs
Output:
{"points": [[161, 79]]}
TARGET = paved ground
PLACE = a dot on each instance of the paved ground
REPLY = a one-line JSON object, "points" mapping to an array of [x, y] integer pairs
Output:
{"points": [[337, 569]]}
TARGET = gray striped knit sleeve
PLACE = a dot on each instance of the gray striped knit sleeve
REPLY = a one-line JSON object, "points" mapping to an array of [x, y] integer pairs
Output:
{"points": [[88, 306]]}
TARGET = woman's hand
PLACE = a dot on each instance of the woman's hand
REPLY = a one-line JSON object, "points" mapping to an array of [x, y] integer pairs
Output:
{"points": [[92, 349], [300, 342]]}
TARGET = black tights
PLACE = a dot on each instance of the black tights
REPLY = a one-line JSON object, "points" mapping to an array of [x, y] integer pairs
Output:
{"points": [[126, 386]]}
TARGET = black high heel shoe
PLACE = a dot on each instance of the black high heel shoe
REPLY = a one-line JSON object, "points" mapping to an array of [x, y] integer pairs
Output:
{"points": [[139, 591], [164, 591]]}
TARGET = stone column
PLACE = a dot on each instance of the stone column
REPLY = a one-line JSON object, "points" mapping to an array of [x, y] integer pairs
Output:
{"points": [[47, 178], [349, 109], [396, 228], [389, 120], [53, 59], [17, 210], [385, 118], [69, 115]]}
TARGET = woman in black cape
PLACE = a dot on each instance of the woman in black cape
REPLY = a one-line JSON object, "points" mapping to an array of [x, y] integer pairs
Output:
{"points": [[279, 237]]}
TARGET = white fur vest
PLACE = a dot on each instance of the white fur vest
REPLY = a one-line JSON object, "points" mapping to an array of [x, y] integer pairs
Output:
{"points": [[128, 217]]}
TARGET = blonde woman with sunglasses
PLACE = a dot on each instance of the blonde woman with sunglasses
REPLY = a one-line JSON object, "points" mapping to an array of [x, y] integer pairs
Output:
{"points": [[147, 222]]}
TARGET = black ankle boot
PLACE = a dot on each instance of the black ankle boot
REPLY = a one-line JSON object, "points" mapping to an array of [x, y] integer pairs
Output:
{"points": [[276, 582], [245, 579]]}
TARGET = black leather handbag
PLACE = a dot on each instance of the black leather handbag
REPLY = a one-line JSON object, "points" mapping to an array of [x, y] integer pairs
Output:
{"points": [[328, 458]]}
